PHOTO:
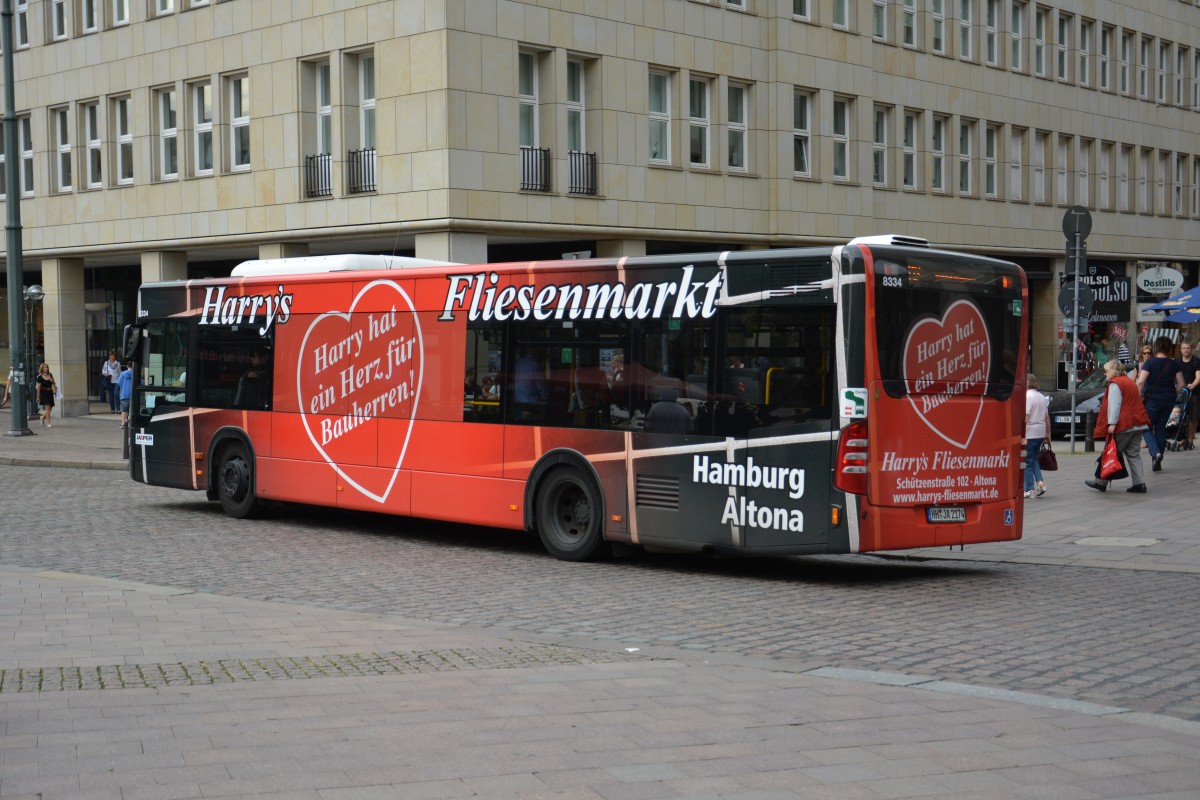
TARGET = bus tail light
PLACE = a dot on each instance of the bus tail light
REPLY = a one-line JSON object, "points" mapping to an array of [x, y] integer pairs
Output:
{"points": [[851, 473]]}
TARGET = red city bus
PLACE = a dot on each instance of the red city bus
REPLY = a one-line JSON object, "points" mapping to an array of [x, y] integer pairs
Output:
{"points": [[827, 400]]}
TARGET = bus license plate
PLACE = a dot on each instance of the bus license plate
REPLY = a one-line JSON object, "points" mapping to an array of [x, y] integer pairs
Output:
{"points": [[946, 514]]}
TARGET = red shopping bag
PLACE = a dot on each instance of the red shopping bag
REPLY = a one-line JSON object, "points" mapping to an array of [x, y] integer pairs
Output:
{"points": [[1111, 464]]}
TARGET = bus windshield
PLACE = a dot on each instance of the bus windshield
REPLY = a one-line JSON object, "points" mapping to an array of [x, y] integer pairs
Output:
{"points": [[940, 320]]}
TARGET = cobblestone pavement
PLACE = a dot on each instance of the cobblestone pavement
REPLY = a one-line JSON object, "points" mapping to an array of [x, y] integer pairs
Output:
{"points": [[1123, 637]]}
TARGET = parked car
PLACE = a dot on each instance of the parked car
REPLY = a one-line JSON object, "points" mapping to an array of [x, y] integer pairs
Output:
{"points": [[1087, 390]]}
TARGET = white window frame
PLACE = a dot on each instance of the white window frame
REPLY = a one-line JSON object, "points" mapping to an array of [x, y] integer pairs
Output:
{"points": [[1016, 163], [966, 140], [25, 144], [61, 131], [699, 121], [937, 26], [1016, 33], [323, 91], [937, 152], [163, 7], [1196, 79], [880, 122], [1106, 42], [1177, 187], [238, 105], [1143, 178], [21, 24], [800, 9], [991, 32], [802, 112], [1083, 173], [1062, 47], [1062, 184], [1123, 184], [58, 20], [367, 98], [840, 122], [94, 143], [123, 141], [737, 128], [910, 178], [1037, 165], [1195, 187], [1160, 183], [1041, 17], [660, 118], [528, 104], [120, 12], [1086, 27], [1181, 54], [1103, 177], [1162, 72], [879, 20], [576, 106], [991, 146], [200, 106], [841, 14], [167, 121], [1144, 68], [908, 23], [966, 14], [1123, 69], [89, 16]]}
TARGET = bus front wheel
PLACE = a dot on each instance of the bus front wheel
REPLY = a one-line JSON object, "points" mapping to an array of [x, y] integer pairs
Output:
{"points": [[570, 515], [235, 482]]}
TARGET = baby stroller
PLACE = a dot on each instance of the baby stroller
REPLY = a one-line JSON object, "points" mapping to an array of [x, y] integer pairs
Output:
{"points": [[1177, 425]]}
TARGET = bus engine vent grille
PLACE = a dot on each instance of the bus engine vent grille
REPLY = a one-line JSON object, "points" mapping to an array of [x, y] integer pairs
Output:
{"points": [[786, 276], [658, 491]]}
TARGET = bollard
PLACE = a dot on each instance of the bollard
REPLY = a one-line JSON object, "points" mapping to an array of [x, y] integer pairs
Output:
{"points": [[1089, 443]]}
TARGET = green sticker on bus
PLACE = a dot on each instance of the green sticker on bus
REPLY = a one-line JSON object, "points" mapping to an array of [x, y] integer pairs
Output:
{"points": [[1016, 308]]}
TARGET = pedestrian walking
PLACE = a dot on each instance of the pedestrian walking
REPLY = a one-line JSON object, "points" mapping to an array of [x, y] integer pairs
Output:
{"points": [[1159, 379], [1123, 417], [46, 390], [1037, 428], [1189, 364], [125, 387]]}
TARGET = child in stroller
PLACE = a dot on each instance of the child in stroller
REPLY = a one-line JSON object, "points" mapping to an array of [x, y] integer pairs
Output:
{"points": [[1177, 424]]}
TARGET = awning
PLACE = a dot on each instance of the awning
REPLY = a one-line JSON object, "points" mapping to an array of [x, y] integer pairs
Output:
{"points": [[1186, 316], [1188, 299]]}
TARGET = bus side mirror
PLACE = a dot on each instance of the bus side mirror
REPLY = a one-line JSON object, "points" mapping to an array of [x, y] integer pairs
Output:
{"points": [[131, 340]]}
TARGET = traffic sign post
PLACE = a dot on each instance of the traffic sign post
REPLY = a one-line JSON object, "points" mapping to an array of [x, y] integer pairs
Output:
{"points": [[1076, 225]]}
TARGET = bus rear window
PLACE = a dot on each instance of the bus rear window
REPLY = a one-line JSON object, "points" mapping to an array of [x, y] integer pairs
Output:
{"points": [[947, 328]]}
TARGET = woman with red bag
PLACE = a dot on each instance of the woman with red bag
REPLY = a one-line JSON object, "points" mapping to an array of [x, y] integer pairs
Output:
{"points": [[1123, 417]]}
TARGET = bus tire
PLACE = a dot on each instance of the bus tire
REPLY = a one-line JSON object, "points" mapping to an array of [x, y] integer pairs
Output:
{"points": [[235, 482], [570, 515]]}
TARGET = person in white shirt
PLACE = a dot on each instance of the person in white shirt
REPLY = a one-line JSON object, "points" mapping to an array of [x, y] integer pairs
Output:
{"points": [[1037, 428], [111, 372]]}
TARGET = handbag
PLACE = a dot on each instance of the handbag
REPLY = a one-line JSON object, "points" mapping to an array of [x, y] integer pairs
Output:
{"points": [[1110, 466], [1046, 458]]}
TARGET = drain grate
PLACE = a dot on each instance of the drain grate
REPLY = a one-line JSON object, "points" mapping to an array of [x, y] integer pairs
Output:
{"points": [[249, 670]]}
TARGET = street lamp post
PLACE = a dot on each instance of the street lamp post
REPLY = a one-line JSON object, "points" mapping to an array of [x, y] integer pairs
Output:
{"points": [[32, 295], [12, 255]]}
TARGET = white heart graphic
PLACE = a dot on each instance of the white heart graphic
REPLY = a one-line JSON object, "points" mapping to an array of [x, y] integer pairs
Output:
{"points": [[377, 496], [948, 369]]}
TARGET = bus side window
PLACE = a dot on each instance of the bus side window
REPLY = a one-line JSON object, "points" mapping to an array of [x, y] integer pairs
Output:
{"points": [[483, 373]]}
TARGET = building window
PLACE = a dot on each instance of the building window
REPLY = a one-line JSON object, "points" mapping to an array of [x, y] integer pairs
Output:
{"points": [[1103, 182], [800, 9], [737, 129], [1041, 17], [120, 12], [937, 149], [202, 128], [841, 13], [879, 144], [527, 98], [1181, 54], [62, 147], [1083, 174], [937, 24], [168, 136], [576, 135], [801, 133], [1143, 70], [910, 150], [966, 134], [324, 103], [1123, 184], [1123, 66], [1061, 162], [1015, 32], [58, 20], [21, 31], [908, 15], [361, 163], [1196, 79], [1085, 53], [366, 101], [1038, 165], [164, 7], [88, 18], [95, 146], [991, 36], [1016, 163], [736, 3], [1062, 47], [1177, 186], [1144, 182], [1160, 74], [964, 29], [123, 130], [698, 121], [841, 139], [660, 117], [238, 87], [879, 19], [991, 137], [25, 129], [1160, 184], [1106, 36], [1195, 186]]}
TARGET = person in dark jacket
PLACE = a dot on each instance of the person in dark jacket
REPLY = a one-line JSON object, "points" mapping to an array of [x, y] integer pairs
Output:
{"points": [[1123, 417], [1160, 378]]}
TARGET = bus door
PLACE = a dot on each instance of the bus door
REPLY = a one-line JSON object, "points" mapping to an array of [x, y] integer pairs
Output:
{"points": [[161, 449], [774, 395]]}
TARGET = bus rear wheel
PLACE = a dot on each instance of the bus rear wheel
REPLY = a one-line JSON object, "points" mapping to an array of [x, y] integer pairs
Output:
{"points": [[570, 515], [235, 482]]}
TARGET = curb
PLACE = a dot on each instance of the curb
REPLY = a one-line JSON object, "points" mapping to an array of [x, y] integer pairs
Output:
{"points": [[13, 461]]}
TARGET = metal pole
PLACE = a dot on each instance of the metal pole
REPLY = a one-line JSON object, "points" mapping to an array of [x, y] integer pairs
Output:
{"points": [[1075, 346], [13, 263]]}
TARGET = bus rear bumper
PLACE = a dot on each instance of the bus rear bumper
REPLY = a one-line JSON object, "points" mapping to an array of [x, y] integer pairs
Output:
{"points": [[902, 528]]}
